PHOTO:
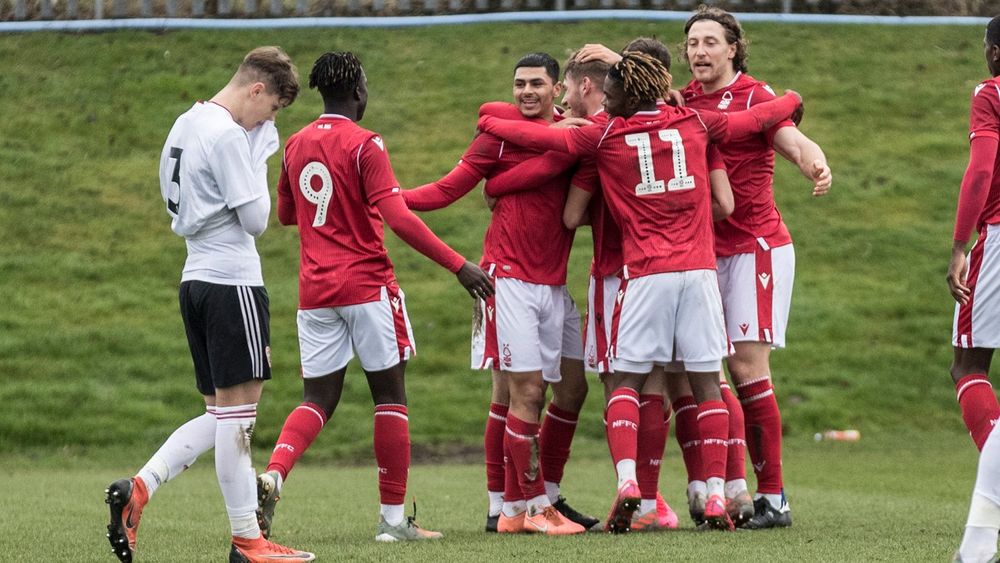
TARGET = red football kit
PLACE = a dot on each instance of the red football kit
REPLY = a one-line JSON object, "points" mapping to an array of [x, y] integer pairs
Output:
{"points": [[979, 199], [341, 172], [526, 238], [656, 185], [750, 166]]}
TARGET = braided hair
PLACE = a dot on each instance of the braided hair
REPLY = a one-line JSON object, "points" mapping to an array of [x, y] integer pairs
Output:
{"points": [[336, 75], [644, 78]]}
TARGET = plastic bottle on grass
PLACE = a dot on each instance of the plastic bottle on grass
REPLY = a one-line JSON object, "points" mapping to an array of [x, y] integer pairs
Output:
{"points": [[838, 435]]}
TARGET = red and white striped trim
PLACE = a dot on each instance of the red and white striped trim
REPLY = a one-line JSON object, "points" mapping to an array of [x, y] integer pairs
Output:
{"points": [[967, 384], [496, 416], [319, 415], [757, 397], [246, 413], [559, 418], [520, 436], [684, 408], [392, 413], [629, 398], [752, 382], [712, 412]]}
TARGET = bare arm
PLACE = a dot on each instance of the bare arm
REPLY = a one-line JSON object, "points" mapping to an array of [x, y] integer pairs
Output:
{"points": [[803, 152], [722, 194], [576, 211]]}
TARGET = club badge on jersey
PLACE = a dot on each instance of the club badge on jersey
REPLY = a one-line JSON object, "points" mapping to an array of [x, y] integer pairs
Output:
{"points": [[727, 98]]}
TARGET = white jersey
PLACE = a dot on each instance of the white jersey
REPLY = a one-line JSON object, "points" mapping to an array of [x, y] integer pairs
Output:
{"points": [[210, 166]]}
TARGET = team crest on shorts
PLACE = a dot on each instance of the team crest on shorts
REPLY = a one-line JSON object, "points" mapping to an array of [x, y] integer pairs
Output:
{"points": [[267, 354], [507, 359]]}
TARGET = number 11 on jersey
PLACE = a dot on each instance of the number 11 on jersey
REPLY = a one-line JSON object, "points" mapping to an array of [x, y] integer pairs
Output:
{"points": [[648, 183]]}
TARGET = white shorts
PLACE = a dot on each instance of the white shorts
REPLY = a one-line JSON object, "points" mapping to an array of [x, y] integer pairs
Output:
{"points": [[673, 316], [378, 331], [977, 323], [756, 292], [597, 330], [527, 327]]}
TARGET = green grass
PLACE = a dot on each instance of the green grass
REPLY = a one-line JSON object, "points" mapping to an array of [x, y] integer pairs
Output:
{"points": [[96, 371], [851, 502], [91, 345]]}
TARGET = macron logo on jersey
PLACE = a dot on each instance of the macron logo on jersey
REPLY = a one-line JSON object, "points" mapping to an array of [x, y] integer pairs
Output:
{"points": [[978, 90], [378, 141], [768, 88], [764, 278]]}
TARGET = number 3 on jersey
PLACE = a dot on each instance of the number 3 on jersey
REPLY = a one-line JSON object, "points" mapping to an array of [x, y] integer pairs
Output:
{"points": [[320, 197], [648, 183], [174, 203]]}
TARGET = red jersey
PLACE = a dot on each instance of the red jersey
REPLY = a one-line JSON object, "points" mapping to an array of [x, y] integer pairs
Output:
{"points": [[339, 170], [654, 175], [605, 232], [750, 165], [526, 238], [984, 121]]}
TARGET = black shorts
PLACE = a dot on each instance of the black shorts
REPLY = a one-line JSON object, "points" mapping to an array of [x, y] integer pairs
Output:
{"points": [[227, 330]]}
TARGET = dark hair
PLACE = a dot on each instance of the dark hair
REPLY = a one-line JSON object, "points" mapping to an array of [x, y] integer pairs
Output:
{"points": [[652, 47], [336, 75], [734, 32], [543, 60], [595, 70], [644, 79], [273, 67], [993, 31]]}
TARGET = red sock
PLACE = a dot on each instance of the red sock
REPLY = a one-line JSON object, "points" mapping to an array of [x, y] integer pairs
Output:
{"points": [[623, 424], [979, 406], [511, 489], [736, 465], [713, 426], [688, 437], [301, 428], [763, 433], [651, 439], [392, 452], [496, 424], [555, 440], [521, 439]]}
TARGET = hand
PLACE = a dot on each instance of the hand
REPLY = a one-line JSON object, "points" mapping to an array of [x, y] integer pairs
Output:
{"points": [[475, 280], [597, 52], [822, 178], [675, 98], [482, 126], [958, 271], [570, 123]]}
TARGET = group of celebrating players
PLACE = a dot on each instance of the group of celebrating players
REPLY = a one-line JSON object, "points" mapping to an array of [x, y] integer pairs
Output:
{"points": [[692, 265]]}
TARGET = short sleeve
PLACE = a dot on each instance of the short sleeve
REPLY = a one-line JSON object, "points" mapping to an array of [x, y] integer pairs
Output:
{"points": [[377, 178], [763, 93], [715, 160], [482, 155], [983, 116], [586, 177], [234, 170]]}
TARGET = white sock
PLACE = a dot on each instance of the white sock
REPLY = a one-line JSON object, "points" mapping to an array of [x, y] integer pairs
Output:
{"points": [[695, 487], [552, 489], [735, 487], [626, 471], [777, 501], [512, 509], [496, 502], [978, 544], [981, 530], [391, 513], [715, 486], [234, 468], [647, 505], [180, 451], [538, 504]]}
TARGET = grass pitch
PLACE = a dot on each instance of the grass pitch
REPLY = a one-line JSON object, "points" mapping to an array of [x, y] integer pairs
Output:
{"points": [[876, 500]]}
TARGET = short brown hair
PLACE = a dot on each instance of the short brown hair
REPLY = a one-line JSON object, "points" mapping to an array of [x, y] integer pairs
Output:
{"points": [[733, 29], [273, 67], [595, 70], [652, 47]]}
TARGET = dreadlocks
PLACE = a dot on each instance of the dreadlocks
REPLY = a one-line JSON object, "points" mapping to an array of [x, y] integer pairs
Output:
{"points": [[643, 78], [336, 75]]}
